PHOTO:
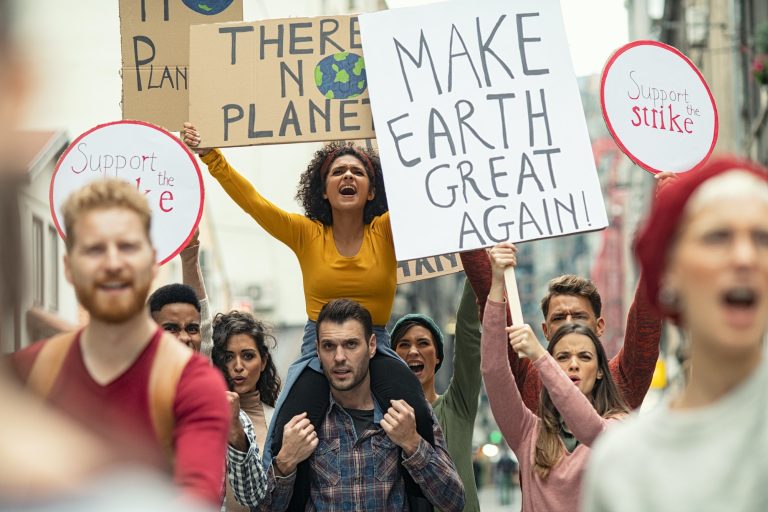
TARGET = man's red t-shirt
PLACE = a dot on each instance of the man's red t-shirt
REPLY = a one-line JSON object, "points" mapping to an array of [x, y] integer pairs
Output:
{"points": [[120, 412]]}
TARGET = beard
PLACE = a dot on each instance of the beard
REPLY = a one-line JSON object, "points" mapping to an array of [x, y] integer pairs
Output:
{"points": [[114, 310], [358, 376]]}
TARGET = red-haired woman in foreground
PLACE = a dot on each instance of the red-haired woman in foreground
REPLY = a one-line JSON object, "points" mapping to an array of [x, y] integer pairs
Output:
{"points": [[704, 251]]}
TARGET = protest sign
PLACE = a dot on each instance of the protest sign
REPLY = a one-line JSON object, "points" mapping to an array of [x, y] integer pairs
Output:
{"points": [[152, 159], [658, 107], [279, 81], [154, 36], [480, 125], [427, 268]]}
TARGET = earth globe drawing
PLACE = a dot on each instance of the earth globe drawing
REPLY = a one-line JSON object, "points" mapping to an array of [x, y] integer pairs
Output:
{"points": [[207, 7], [341, 76]]}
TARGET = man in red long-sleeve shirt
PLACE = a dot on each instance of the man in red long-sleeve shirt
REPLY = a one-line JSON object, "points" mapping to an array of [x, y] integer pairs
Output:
{"points": [[120, 375], [572, 298]]}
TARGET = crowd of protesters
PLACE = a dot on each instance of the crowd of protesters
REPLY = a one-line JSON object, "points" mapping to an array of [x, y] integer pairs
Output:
{"points": [[165, 386]]}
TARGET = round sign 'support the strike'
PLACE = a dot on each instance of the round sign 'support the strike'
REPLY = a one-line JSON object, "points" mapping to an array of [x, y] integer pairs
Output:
{"points": [[658, 107], [150, 158]]}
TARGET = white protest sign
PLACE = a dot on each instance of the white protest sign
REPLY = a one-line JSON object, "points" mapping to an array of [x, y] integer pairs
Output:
{"points": [[658, 107], [480, 126], [152, 159]]}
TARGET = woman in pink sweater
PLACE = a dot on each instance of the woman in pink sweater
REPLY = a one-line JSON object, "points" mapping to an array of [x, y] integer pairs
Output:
{"points": [[579, 398]]}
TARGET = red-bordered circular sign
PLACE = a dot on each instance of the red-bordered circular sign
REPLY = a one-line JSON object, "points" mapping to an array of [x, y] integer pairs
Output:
{"points": [[658, 107], [152, 159]]}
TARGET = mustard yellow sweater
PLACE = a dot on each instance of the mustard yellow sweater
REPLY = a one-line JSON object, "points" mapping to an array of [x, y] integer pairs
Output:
{"points": [[369, 277]]}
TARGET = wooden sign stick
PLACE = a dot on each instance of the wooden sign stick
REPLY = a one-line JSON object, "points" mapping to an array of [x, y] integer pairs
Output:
{"points": [[513, 298]]}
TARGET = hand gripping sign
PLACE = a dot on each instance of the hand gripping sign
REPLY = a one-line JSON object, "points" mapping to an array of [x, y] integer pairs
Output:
{"points": [[152, 159], [658, 107]]}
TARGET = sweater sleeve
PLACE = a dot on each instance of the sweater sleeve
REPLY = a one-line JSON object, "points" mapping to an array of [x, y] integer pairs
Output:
{"points": [[632, 368], [477, 268], [463, 391], [289, 228], [577, 411], [206, 328], [382, 226], [200, 430], [512, 416]]}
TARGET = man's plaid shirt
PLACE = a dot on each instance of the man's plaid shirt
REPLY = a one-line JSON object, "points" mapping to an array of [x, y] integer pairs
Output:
{"points": [[351, 473]]}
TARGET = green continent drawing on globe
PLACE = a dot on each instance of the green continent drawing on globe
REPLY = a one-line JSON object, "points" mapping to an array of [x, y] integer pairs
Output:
{"points": [[341, 76], [207, 7]]}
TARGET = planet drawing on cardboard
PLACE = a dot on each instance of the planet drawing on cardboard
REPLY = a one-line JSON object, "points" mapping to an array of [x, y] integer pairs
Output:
{"points": [[208, 7]]}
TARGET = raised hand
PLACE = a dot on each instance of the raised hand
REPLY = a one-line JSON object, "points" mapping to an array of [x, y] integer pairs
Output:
{"points": [[664, 179], [399, 423], [524, 341], [191, 137], [195, 240], [299, 442], [502, 255]]}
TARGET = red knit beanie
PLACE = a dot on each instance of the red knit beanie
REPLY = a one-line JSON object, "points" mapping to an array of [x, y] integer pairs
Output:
{"points": [[654, 240]]}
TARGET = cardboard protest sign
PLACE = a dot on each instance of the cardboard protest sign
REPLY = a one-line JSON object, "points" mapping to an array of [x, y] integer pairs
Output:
{"points": [[427, 268], [658, 107], [480, 126], [152, 159], [279, 81], [155, 47]]}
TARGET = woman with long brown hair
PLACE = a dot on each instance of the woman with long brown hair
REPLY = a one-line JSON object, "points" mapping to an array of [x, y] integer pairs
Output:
{"points": [[241, 350], [579, 398]]}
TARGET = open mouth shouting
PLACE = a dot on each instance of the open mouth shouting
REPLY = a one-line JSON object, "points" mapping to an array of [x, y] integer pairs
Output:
{"points": [[740, 304], [416, 367], [347, 190]]}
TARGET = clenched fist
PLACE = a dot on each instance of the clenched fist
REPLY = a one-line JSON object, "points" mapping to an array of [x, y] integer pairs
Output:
{"points": [[299, 442], [399, 423]]}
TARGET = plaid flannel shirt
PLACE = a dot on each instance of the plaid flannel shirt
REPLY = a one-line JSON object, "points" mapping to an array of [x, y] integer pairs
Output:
{"points": [[351, 473], [245, 471]]}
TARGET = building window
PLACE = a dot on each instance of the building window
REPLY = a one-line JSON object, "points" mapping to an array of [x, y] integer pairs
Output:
{"points": [[38, 263], [53, 268]]}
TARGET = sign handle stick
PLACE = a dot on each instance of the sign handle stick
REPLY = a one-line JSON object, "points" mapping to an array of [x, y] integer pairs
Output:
{"points": [[513, 298]]}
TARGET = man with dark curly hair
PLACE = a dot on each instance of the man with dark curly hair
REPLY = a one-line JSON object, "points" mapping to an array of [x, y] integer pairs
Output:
{"points": [[345, 249]]}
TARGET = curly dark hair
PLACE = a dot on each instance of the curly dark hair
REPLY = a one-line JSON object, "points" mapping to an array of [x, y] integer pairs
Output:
{"points": [[312, 184], [174, 293], [237, 322]]}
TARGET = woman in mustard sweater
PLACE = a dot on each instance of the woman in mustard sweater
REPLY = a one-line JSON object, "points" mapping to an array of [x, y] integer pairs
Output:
{"points": [[345, 249]]}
